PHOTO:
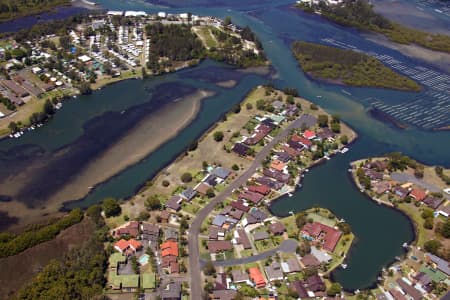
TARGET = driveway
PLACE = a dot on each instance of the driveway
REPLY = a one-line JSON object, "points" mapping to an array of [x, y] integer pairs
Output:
{"points": [[287, 246], [194, 230]]}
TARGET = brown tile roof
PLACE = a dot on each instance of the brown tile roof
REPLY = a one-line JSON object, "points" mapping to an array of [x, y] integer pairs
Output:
{"points": [[219, 246]]}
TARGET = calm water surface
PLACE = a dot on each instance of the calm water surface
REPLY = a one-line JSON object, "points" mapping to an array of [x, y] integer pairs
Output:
{"points": [[379, 231]]}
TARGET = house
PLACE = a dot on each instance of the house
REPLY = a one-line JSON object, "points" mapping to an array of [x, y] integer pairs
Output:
{"points": [[14, 88], [240, 206], [240, 149], [418, 194], [260, 235], [130, 229], [210, 180], [257, 277], [188, 194], [219, 220], [325, 134], [261, 189], [300, 289], [213, 233], [202, 188], [396, 294], [277, 165], [174, 203], [150, 232], [221, 172], [221, 281], [373, 175], [242, 239], [239, 276], [410, 290], [277, 175], [127, 247], [323, 234], [291, 265], [273, 184], [302, 141], [382, 187], [310, 260], [400, 192], [444, 211], [172, 291], [309, 134], [169, 248], [441, 264], [274, 272], [277, 228], [433, 202], [167, 260], [314, 283], [251, 196], [219, 246], [224, 294], [174, 268], [236, 214], [258, 214], [278, 105], [293, 152], [170, 234], [164, 215], [283, 156]]}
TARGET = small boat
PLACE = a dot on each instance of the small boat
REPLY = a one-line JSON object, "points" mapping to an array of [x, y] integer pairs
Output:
{"points": [[299, 185], [344, 150], [405, 245], [289, 194], [319, 96], [344, 266], [306, 170], [346, 92], [122, 112]]}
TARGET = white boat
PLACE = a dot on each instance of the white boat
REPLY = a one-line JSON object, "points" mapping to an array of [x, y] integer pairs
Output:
{"points": [[289, 194], [344, 150], [344, 266]]}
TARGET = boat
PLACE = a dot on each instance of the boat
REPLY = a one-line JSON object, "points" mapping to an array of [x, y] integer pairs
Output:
{"points": [[346, 92], [122, 112], [344, 266], [405, 245], [344, 150], [289, 194], [299, 185], [319, 96]]}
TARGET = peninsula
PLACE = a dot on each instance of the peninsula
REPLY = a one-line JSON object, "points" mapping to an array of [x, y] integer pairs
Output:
{"points": [[55, 60], [348, 67], [422, 193], [360, 14]]}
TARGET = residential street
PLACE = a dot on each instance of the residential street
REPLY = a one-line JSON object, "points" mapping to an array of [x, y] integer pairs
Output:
{"points": [[194, 230]]}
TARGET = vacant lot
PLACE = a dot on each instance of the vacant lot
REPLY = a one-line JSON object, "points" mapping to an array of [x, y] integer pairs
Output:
{"points": [[19, 269]]}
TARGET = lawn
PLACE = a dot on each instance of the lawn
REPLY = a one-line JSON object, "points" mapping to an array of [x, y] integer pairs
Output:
{"points": [[414, 213], [291, 226], [264, 245], [206, 36]]}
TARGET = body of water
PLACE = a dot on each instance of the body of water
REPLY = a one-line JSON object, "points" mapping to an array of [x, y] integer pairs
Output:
{"points": [[380, 232]]}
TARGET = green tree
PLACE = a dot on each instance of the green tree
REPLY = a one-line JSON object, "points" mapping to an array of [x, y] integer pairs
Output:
{"points": [[13, 127], [344, 139], [210, 193], [218, 136], [235, 167], [186, 177], [111, 207], [334, 289], [209, 269], [323, 120], [432, 246], [153, 203]]}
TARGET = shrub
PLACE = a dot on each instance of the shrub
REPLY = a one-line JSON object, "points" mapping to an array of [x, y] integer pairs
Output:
{"points": [[111, 207], [235, 167], [313, 106], [432, 246], [152, 203], [249, 106], [218, 136], [165, 183], [186, 177], [344, 139]]}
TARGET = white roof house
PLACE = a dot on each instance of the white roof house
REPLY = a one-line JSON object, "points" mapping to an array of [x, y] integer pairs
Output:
{"points": [[115, 13], [162, 14], [132, 13], [84, 58]]}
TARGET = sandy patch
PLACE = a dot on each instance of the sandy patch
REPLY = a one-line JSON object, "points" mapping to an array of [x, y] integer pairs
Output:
{"points": [[144, 138], [227, 84]]}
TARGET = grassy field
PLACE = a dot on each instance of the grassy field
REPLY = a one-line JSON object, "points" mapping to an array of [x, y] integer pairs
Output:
{"points": [[23, 266], [205, 35]]}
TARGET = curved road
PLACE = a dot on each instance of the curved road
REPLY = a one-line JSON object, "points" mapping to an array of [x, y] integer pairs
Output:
{"points": [[194, 230]]}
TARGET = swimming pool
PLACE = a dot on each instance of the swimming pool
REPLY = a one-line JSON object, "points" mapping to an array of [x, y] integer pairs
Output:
{"points": [[143, 260]]}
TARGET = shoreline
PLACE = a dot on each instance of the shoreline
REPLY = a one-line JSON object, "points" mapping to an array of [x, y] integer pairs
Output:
{"points": [[78, 185]]}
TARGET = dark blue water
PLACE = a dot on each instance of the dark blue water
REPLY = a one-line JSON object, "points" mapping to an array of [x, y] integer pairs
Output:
{"points": [[379, 231]]}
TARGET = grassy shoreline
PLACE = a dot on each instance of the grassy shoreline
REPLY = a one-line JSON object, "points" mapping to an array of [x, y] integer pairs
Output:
{"points": [[36, 10]]}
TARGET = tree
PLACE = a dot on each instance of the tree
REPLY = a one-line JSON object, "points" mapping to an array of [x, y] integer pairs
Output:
{"points": [[261, 104], [235, 167], [236, 108], [165, 183], [344, 139], [218, 136], [209, 268], [210, 193], [428, 224], [334, 289], [249, 106], [300, 220], [111, 207], [48, 107], [227, 21], [432, 246], [13, 126], [153, 203], [290, 99], [313, 106], [323, 120], [444, 229], [186, 177], [344, 227]]}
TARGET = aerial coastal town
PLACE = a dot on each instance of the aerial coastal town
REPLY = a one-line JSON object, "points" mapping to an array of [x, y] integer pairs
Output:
{"points": [[205, 225], [39, 71]]}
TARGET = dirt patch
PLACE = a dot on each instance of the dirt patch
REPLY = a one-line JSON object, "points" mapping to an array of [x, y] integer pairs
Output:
{"points": [[19, 269]]}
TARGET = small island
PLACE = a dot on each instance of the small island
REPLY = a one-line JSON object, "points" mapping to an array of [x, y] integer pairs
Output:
{"points": [[360, 14], [422, 193], [348, 67]]}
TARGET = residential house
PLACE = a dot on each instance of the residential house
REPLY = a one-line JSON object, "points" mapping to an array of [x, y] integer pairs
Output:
{"points": [[128, 247], [240, 206], [188, 194], [258, 214], [410, 290], [172, 291], [309, 134], [202, 188], [274, 272], [224, 294], [273, 184], [170, 234], [260, 235], [396, 294], [219, 246], [239, 276], [251, 196], [257, 277], [169, 248], [310, 260], [441, 264], [301, 140], [433, 202], [325, 235], [283, 156], [174, 203], [240, 149], [418, 194], [300, 288], [381, 187], [150, 232], [242, 238], [277, 228], [293, 152], [221, 172], [164, 215], [325, 134], [401, 192], [314, 283], [130, 229], [277, 165], [291, 265], [277, 175], [261, 189]]}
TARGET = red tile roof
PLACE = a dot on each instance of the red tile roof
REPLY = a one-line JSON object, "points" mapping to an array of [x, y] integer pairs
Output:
{"points": [[291, 151], [122, 245], [135, 244], [257, 277], [169, 248], [418, 194], [240, 205], [262, 189], [309, 134], [251, 196], [326, 234]]}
